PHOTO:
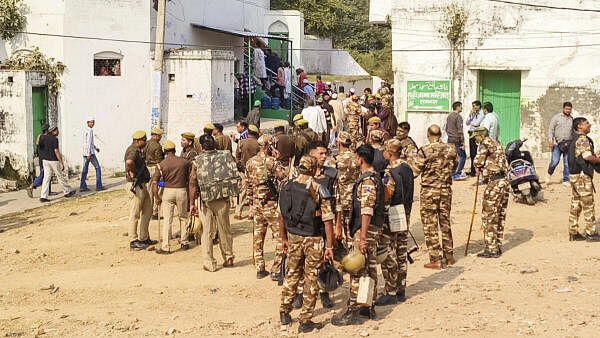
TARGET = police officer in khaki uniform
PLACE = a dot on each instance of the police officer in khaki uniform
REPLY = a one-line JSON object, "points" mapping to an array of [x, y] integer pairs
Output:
{"points": [[174, 171], [374, 123], [187, 143], [284, 145], [140, 209], [246, 149], [208, 130], [154, 154], [222, 142]]}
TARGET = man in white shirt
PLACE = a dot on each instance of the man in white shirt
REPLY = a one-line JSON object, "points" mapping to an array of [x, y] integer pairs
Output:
{"points": [[89, 155], [490, 121], [315, 117], [258, 62]]}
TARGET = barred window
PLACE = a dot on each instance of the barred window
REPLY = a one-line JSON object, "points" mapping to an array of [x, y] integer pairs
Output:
{"points": [[107, 64]]}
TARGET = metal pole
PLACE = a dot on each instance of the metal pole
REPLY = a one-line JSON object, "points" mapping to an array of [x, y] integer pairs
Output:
{"points": [[158, 64], [291, 80], [249, 78]]}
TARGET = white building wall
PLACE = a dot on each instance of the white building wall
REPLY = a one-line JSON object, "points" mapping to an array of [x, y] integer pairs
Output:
{"points": [[574, 70], [294, 23]]}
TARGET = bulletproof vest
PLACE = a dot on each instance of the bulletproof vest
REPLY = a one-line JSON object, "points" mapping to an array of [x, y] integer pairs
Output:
{"points": [[379, 162], [378, 209], [328, 181], [217, 175], [577, 165], [298, 210], [398, 195]]}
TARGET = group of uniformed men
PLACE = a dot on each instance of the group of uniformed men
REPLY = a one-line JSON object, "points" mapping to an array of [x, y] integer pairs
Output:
{"points": [[315, 203]]}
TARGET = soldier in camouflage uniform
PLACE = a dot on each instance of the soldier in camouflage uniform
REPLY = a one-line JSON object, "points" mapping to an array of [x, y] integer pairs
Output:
{"points": [[187, 143], [436, 162], [263, 204], [153, 153], [409, 147], [399, 185], [368, 213], [348, 172], [352, 118], [303, 240], [582, 160], [491, 161], [374, 123]]}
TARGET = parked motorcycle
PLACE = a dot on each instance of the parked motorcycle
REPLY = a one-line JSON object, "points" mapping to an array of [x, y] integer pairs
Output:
{"points": [[522, 175]]}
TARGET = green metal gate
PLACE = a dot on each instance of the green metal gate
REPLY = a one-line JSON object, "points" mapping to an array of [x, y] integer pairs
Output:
{"points": [[280, 47], [40, 110], [503, 90]]}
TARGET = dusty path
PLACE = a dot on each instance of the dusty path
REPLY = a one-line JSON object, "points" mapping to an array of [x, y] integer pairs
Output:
{"points": [[542, 285]]}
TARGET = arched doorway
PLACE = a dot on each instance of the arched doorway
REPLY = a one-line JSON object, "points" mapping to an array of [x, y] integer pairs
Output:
{"points": [[278, 28]]}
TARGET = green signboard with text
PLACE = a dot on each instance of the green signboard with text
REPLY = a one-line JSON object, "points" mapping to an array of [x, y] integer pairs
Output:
{"points": [[433, 96]]}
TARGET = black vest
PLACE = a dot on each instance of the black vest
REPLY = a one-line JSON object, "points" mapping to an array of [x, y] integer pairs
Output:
{"points": [[379, 162], [577, 165], [298, 210], [404, 186], [378, 209]]}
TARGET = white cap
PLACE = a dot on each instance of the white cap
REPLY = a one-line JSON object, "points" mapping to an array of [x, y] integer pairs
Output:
{"points": [[334, 96], [305, 81], [352, 90], [328, 83], [90, 118]]}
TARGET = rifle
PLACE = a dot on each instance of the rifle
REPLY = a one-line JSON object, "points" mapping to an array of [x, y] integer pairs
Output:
{"points": [[282, 270], [416, 248], [139, 176]]}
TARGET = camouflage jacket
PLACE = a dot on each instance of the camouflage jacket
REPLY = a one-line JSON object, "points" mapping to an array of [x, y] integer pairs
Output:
{"points": [[491, 158], [216, 173], [348, 172], [258, 169], [436, 162]]}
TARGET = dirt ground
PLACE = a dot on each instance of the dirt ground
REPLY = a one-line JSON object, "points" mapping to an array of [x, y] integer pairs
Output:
{"points": [[67, 270]]}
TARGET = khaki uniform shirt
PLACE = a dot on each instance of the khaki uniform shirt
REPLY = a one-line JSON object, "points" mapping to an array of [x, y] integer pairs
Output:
{"points": [[174, 171], [153, 152], [348, 172], [491, 157], [246, 149], [189, 153], [366, 193], [436, 162], [222, 142], [285, 145], [409, 149], [135, 154]]}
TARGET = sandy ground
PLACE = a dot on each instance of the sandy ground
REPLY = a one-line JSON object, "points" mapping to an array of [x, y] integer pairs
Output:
{"points": [[67, 270]]}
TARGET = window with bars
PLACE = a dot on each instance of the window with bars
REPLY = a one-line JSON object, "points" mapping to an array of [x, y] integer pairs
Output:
{"points": [[107, 64]]}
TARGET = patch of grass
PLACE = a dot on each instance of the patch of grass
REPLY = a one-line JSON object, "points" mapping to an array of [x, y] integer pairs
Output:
{"points": [[118, 174]]}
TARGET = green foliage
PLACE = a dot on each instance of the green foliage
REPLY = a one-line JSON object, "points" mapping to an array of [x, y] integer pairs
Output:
{"points": [[12, 18], [35, 60], [346, 22], [453, 25]]}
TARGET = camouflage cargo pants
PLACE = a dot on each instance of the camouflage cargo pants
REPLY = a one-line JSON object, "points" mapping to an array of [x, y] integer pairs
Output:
{"points": [[582, 200], [493, 213], [354, 130], [371, 265], [435, 210], [305, 255], [266, 216], [346, 226], [401, 253], [389, 267]]}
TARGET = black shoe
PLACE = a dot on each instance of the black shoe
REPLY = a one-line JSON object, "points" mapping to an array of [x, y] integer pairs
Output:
{"points": [[285, 318], [137, 245], [261, 274], [154, 217], [499, 250], [275, 276], [577, 237], [489, 254], [163, 252], [216, 241], [592, 238], [83, 189], [70, 194], [44, 200], [363, 311], [297, 302], [309, 327], [401, 296], [150, 242], [386, 300], [348, 318], [373, 314], [185, 247], [326, 301]]}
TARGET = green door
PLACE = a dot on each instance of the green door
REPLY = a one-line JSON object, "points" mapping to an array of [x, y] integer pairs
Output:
{"points": [[503, 90], [279, 46], [40, 110]]}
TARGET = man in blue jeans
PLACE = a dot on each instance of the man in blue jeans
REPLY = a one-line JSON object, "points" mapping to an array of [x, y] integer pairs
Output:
{"points": [[454, 129], [559, 136], [89, 155]]}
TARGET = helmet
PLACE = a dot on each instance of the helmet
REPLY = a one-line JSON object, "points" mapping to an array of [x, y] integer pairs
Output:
{"points": [[193, 224], [329, 278], [353, 262], [382, 254]]}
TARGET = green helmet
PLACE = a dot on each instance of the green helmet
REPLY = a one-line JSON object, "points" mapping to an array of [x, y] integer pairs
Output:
{"points": [[353, 262]]}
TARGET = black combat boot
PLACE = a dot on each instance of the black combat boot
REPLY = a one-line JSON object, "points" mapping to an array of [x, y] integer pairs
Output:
{"points": [[261, 274], [326, 301], [363, 311], [386, 300], [489, 254], [401, 296], [373, 314], [285, 318], [576, 237], [309, 327], [348, 318], [297, 302]]}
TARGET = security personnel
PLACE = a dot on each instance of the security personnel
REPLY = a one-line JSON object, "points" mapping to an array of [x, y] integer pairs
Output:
{"points": [[214, 213], [436, 162], [367, 218], [140, 208], [582, 160], [187, 143], [348, 171], [306, 212], [284, 145], [174, 171], [352, 118], [303, 139], [376, 138], [374, 123], [491, 161], [246, 149], [409, 147], [153, 154], [222, 142], [297, 118], [208, 130], [262, 171], [399, 187]]}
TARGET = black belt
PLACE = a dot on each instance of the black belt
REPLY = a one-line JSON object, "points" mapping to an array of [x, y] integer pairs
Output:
{"points": [[497, 177]]}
